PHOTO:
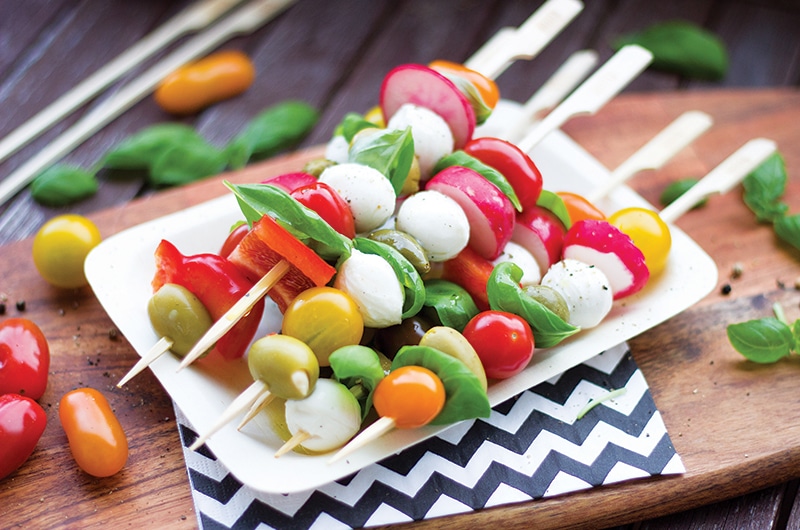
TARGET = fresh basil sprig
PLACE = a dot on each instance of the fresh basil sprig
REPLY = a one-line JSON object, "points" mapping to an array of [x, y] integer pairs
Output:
{"points": [[389, 151], [352, 124], [181, 164], [451, 303], [766, 340], [461, 158], [407, 275], [678, 188], [63, 184], [359, 369], [138, 151], [257, 200], [764, 189], [505, 294], [555, 204]]}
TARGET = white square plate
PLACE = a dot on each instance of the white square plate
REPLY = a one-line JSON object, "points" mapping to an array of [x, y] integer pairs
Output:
{"points": [[120, 270]]}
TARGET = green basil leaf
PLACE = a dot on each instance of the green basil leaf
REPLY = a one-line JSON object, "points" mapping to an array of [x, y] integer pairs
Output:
{"points": [[185, 163], [796, 335], [482, 110], [273, 130], [788, 229], [764, 187], [63, 184], [765, 340], [389, 151], [678, 188], [256, 200], [351, 125], [460, 158], [407, 275], [552, 202], [140, 149], [465, 397], [505, 294], [452, 304], [683, 48], [358, 365]]}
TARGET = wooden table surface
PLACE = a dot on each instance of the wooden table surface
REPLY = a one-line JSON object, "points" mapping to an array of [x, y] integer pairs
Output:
{"points": [[735, 425]]}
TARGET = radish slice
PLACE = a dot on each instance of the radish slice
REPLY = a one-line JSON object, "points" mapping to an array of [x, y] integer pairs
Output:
{"points": [[584, 287], [541, 233], [603, 245], [419, 85], [489, 211], [290, 181]]}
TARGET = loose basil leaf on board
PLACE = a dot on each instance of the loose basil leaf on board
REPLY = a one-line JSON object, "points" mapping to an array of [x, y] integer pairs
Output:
{"points": [[505, 294], [140, 149], [63, 184], [788, 229], [678, 188], [256, 200], [451, 303], [465, 397], [764, 188], [765, 340], [460, 158], [389, 151], [553, 203], [359, 369], [682, 48], [274, 129], [182, 164], [407, 275]]}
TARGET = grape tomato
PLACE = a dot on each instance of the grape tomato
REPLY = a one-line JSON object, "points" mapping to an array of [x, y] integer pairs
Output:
{"points": [[22, 422], [24, 358]]}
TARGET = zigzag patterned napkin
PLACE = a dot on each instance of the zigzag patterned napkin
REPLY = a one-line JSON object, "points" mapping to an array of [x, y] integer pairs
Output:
{"points": [[532, 446]]}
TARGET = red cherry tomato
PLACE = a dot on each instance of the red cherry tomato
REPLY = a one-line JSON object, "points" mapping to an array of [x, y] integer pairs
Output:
{"points": [[95, 436], [22, 422], [329, 205], [504, 342], [411, 395], [235, 235], [24, 358], [470, 271], [514, 164]]}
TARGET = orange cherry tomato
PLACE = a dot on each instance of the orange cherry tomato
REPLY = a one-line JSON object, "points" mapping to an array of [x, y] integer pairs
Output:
{"points": [[580, 208], [411, 395], [485, 86], [96, 439], [197, 85]]}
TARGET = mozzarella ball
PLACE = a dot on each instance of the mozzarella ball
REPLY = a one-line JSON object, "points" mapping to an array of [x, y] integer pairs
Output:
{"points": [[366, 190], [337, 149], [519, 256], [585, 288], [433, 139], [372, 283], [436, 221], [331, 416]]}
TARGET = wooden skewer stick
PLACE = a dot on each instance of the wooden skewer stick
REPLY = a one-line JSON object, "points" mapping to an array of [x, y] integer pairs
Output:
{"points": [[246, 19], [236, 312], [723, 177], [655, 153], [593, 93], [260, 404], [158, 349], [380, 427], [298, 438], [526, 41]]}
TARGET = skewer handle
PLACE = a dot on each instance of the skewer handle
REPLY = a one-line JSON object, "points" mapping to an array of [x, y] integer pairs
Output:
{"points": [[723, 177], [380, 427], [242, 402], [159, 348]]}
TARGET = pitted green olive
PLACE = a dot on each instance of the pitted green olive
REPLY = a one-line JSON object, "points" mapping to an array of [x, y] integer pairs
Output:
{"points": [[286, 365], [454, 344], [177, 314], [550, 298], [317, 166], [405, 245]]}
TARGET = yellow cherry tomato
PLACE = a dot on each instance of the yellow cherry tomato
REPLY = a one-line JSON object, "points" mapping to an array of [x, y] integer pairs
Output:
{"points": [[411, 395], [326, 319], [649, 233], [60, 248], [375, 115]]}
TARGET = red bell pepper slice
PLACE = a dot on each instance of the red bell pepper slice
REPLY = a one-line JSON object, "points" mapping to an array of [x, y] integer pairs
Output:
{"points": [[218, 284]]}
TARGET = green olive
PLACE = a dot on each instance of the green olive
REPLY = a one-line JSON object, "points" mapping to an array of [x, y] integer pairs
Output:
{"points": [[550, 298], [406, 245], [177, 314], [317, 166], [286, 365], [454, 344]]}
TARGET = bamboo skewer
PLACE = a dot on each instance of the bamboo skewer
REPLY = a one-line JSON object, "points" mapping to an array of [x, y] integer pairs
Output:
{"points": [[244, 20]]}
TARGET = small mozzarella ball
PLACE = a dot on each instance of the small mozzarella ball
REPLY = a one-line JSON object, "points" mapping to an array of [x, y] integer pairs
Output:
{"points": [[433, 139], [366, 190], [337, 149], [331, 416], [372, 283], [436, 221], [585, 288], [519, 256]]}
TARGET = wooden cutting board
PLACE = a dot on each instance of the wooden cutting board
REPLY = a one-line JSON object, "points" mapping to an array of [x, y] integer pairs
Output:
{"points": [[735, 424]]}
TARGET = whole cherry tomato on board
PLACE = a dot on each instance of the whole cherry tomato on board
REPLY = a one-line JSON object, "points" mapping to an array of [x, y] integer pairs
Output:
{"points": [[515, 165], [24, 358], [60, 247], [329, 205], [96, 439], [22, 422], [504, 342], [197, 85]]}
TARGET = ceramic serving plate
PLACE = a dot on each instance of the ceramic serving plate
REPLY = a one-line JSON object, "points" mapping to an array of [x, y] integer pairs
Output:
{"points": [[120, 270]]}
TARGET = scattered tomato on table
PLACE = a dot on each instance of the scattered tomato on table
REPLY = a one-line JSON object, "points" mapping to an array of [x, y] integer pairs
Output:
{"points": [[24, 358], [60, 248], [22, 422]]}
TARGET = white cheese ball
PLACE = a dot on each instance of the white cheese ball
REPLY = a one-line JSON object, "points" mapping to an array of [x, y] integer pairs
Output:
{"points": [[519, 256], [366, 190], [585, 288], [331, 416], [433, 139], [372, 284], [337, 149], [436, 221]]}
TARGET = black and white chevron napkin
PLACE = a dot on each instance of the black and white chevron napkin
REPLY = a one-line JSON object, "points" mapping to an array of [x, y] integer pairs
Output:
{"points": [[532, 446]]}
